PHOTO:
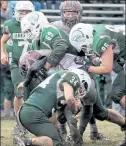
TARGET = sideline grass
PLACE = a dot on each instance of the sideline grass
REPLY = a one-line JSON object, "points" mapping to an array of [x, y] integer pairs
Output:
{"points": [[110, 130]]}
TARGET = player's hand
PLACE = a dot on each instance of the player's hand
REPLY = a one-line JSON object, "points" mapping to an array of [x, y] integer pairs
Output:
{"points": [[21, 85], [87, 66], [78, 103], [43, 72], [4, 58]]}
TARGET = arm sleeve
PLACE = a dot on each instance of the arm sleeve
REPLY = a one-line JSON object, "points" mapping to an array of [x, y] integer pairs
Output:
{"points": [[103, 44], [72, 79], [59, 48]]}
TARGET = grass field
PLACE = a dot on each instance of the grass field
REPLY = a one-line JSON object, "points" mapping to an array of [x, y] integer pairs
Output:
{"points": [[112, 131]]}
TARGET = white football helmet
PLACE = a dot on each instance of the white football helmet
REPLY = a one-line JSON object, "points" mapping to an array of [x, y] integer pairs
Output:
{"points": [[22, 8], [81, 36], [85, 81], [32, 23]]}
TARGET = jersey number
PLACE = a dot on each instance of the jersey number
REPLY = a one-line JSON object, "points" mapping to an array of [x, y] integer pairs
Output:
{"points": [[105, 46], [49, 36], [73, 80], [21, 43]]}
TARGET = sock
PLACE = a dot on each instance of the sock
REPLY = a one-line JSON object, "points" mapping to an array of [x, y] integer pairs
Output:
{"points": [[93, 128]]}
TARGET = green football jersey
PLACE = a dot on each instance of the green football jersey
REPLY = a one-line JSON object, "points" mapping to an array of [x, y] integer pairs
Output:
{"points": [[104, 35], [54, 39], [47, 95], [12, 27]]}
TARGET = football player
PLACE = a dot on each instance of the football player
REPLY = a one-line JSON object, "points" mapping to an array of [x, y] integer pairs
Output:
{"points": [[102, 43], [12, 32], [71, 13], [59, 92]]}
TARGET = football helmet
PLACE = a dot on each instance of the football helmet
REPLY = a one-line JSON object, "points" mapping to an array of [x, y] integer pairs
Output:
{"points": [[85, 82], [22, 8], [81, 37], [32, 23], [30, 57], [71, 6]]}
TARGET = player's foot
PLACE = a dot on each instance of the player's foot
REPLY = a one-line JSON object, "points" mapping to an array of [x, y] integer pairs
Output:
{"points": [[94, 136], [75, 135], [123, 127]]}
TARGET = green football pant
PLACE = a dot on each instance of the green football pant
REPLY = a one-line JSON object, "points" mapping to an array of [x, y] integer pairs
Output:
{"points": [[9, 89], [99, 111], [35, 121], [17, 78]]}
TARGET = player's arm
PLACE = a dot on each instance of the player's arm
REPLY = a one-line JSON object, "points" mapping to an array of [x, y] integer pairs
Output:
{"points": [[69, 96], [106, 62], [5, 37], [57, 43], [70, 84], [59, 48]]}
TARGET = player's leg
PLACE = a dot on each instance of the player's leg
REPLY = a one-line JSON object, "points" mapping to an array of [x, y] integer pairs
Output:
{"points": [[86, 114], [87, 109], [118, 95], [19, 94], [35, 121], [9, 90], [94, 133], [123, 101], [118, 91], [7, 108], [102, 113]]}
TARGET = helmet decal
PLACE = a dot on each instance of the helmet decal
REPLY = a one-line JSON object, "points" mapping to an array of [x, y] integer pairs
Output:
{"points": [[81, 36], [78, 36]]}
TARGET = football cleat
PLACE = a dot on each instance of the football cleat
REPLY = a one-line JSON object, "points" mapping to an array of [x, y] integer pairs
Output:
{"points": [[94, 136]]}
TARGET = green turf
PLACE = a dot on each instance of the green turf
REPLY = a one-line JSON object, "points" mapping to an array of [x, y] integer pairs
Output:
{"points": [[110, 130]]}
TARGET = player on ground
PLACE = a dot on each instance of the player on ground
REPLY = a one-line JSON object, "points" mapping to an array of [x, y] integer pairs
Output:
{"points": [[60, 91]]}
